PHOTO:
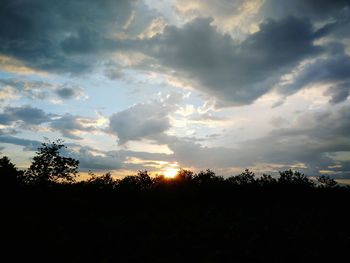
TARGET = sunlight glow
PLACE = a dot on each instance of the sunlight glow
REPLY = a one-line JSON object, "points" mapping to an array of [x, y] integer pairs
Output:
{"points": [[170, 172]]}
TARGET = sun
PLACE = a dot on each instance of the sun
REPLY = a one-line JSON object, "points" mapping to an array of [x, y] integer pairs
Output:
{"points": [[170, 172]]}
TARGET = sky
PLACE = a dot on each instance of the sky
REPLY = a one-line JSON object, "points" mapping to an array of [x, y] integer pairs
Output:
{"points": [[160, 85]]}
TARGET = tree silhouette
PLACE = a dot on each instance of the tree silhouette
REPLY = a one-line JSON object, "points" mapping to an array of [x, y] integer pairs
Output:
{"points": [[144, 218], [326, 181], [9, 174], [49, 166], [184, 175], [105, 181], [247, 177], [142, 181], [266, 180], [207, 177], [296, 178]]}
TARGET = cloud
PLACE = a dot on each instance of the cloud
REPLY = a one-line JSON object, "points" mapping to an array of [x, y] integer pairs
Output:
{"points": [[69, 126], [333, 70], [90, 161], [233, 73], [14, 88], [10, 64], [339, 93], [30, 89], [29, 145], [138, 122], [229, 16], [52, 36], [65, 93], [241, 51], [25, 114], [143, 120], [313, 139], [7, 93], [87, 159], [310, 144], [72, 36], [27, 117], [69, 91], [114, 160], [236, 72], [90, 158], [279, 121], [314, 9]]}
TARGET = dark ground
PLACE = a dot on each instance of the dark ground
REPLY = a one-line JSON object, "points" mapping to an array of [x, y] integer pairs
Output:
{"points": [[180, 222]]}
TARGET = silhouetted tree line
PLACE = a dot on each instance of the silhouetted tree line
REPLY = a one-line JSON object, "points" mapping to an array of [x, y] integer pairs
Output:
{"points": [[50, 167], [49, 216]]}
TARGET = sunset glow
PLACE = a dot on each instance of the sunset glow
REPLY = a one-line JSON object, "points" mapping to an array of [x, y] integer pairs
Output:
{"points": [[170, 172]]}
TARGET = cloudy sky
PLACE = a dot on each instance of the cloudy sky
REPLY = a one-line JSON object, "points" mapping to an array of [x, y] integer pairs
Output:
{"points": [[164, 84]]}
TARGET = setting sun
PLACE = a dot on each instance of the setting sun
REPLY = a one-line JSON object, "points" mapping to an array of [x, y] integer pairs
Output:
{"points": [[170, 172]]}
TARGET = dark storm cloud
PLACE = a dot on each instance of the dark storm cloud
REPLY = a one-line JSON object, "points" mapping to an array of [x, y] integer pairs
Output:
{"points": [[237, 73], [69, 36], [234, 73], [334, 70], [25, 114], [51, 35], [315, 9], [335, 14], [339, 93]]}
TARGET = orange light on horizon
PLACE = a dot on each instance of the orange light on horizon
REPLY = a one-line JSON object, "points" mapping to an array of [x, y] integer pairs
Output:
{"points": [[170, 172]]}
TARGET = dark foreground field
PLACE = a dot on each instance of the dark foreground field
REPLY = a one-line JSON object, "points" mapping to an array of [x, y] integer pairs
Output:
{"points": [[184, 220]]}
